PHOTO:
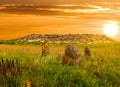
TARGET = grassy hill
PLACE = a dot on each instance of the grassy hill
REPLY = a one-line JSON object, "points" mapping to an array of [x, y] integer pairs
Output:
{"points": [[37, 39]]}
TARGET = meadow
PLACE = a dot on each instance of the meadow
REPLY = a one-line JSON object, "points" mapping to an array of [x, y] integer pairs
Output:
{"points": [[36, 71]]}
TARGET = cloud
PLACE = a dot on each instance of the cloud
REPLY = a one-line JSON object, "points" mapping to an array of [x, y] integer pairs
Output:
{"points": [[51, 2], [41, 2], [95, 8]]}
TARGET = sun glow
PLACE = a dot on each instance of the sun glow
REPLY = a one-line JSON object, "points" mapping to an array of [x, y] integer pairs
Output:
{"points": [[111, 29]]}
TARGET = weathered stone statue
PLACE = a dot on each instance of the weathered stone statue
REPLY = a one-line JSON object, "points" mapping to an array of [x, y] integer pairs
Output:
{"points": [[71, 56], [87, 53], [45, 48]]}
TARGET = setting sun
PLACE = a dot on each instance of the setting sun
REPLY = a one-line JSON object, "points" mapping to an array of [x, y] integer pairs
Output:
{"points": [[111, 29]]}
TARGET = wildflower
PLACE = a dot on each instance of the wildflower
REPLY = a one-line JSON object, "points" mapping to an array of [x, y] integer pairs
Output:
{"points": [[2, 61], [19, 70], [8, 70], [4, 71], [13, 64]]}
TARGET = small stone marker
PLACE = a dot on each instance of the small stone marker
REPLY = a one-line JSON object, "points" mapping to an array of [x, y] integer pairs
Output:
{"points": [[87, 53], [45, 48]]}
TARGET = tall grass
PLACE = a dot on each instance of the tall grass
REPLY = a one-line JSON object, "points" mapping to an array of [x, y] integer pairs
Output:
{"points": [[102, 71]]}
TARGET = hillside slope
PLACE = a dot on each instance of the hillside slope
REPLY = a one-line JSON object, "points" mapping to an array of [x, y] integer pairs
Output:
{"points": [[65, 38]]}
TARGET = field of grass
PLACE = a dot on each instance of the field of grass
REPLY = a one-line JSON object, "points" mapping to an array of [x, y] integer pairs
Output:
{"points": [[37, 71]]}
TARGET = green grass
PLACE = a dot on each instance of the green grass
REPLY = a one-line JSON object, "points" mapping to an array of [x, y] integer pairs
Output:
{"points": [[102, 71]]}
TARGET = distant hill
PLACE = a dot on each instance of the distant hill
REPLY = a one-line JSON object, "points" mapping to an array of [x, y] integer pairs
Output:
{"points": [[65, 38]]}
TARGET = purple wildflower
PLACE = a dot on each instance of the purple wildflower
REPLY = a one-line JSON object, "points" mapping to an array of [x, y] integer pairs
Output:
{"points": [[4, 71], [13, 65], [2, 61]]}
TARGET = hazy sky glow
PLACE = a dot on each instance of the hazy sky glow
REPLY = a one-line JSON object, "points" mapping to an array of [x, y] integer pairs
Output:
{"points": [[18, 18]]}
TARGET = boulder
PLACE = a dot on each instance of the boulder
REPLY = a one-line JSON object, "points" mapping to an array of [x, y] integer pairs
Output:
{"points": [[71, 56]]}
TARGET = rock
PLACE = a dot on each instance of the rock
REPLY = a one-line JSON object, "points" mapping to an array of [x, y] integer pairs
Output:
{"points": [[45, 48], [71, 56], [87, 53]]}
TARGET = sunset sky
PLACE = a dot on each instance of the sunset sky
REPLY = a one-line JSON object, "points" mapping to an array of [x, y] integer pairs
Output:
{"points": [[19, 18]]}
